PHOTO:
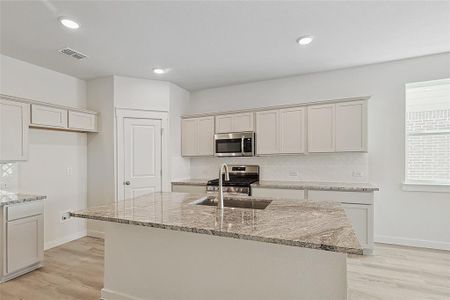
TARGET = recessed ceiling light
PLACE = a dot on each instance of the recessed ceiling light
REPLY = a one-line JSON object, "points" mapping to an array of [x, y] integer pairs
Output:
{"points": [[160, 71], [69, 23], [305, 40]]}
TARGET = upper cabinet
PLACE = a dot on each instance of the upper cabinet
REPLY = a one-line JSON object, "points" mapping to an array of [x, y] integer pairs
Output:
{"points": [[321, 128], [14, 121], [197, 136], [234, 122], [292, 130], [267, 132], [42, 115], [83, 121], [340, 127], [351, 126], [280, 131]]}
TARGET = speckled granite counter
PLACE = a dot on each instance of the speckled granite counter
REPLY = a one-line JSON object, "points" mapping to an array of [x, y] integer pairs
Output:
{"points": [[318, 186], [8, 198], [196, 182], [316, 225]]}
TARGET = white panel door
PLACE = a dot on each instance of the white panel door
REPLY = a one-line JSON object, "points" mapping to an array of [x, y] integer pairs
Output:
{"points": [[189, 137], [14, 122], [24, 243], [206, 136], [292, 130], [321, 128], [351, 125], [142, 156], [267, 132], [243, 122], [224, 124]]}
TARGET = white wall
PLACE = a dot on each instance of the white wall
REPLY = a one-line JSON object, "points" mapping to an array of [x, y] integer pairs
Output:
{"points": [[179, 105], [57, 160], [414, 218]]}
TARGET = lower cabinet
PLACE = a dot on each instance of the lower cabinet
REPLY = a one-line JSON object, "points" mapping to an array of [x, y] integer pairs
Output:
{"points": [[361, 216], [183, 188], [278, 193], [24, 243], [23, 239]]}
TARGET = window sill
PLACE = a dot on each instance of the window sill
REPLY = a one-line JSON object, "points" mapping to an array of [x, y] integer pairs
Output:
{"points": [[425, 187]]}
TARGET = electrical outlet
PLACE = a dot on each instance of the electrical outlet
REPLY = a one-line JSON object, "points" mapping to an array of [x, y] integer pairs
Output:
{"points": [[3, 186], [357, 174], [65, 216], [69, 171], [293, 173]]}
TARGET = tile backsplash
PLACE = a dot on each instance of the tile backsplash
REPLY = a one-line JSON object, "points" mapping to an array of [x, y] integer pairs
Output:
{"points": [[339, 167], [9, 179]]}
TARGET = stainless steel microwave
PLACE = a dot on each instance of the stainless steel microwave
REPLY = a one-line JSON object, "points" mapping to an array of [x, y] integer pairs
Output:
{"points": [[234, 144]]}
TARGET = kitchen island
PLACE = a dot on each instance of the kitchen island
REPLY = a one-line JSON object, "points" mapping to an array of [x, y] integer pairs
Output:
{"points": [[171, 246]]}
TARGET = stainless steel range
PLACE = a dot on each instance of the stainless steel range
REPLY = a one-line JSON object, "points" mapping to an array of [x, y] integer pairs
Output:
{"points": [[241, 177]]}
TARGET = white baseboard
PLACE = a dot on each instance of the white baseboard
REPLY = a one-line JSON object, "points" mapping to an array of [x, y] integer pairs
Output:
{"points": [[96, 234], [66, 239], [112, 295], [412, 242]]}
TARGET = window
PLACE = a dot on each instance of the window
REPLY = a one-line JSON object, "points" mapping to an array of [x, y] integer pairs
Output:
{"points": [[428, 132]]}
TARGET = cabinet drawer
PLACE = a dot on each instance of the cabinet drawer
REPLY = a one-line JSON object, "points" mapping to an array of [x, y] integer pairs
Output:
{"points": [[278, 193], [344, 197], [48, 116], [82, 121], [20, 211]]}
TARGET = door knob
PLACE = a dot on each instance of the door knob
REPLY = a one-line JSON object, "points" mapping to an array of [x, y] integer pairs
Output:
{"points": [[127, 182]]}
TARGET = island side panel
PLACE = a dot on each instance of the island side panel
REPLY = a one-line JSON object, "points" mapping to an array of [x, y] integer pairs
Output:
{"points": [[150, 263]]}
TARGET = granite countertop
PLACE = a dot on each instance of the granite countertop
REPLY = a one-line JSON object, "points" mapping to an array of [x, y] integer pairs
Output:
{"points": [[8, 198], [318, 186], [310, 224], [196, 181], [296, 185]]}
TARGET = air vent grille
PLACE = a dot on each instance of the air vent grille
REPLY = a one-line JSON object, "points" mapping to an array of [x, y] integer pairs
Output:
{"points": [[70, 52]]}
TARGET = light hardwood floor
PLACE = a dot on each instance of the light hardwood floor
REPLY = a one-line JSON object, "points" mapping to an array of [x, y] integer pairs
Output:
{"points": [[75, 271]]}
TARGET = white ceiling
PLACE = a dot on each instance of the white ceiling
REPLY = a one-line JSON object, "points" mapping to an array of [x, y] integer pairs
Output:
{"points": [[211, 43]]}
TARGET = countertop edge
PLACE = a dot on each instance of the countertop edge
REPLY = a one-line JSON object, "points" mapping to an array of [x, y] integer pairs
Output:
{"points": [[25, 200], [224, 234]]}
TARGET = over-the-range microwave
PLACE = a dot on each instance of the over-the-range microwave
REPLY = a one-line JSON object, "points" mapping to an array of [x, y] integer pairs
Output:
{"points": [[234, 144]]}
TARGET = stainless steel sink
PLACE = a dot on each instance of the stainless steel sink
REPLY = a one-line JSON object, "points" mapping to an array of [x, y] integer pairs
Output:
{"points": [[234, 202]]}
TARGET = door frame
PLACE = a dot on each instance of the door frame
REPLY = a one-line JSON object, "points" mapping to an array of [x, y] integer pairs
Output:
{"points": [[163, 116]]}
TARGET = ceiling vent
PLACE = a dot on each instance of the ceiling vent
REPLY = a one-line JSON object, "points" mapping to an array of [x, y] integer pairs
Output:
{"points": [[73, 53]]}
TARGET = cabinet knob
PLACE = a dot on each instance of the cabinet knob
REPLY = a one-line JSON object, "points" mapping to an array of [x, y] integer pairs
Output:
{"points": [[127, 182]]}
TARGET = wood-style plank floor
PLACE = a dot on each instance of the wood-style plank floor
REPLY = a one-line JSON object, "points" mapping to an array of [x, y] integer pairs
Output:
{"points": [[75, 271]]}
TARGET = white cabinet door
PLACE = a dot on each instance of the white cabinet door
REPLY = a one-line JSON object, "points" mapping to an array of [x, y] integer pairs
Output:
{"points": [[234, 123], [14, 122], [321, 128], [243, 122], [351, 126], [205, 136], [292, 130], [82, 121], [24, 243], [267, 132], [48, 116], [361, 217], [224, 124], [189, 137]]}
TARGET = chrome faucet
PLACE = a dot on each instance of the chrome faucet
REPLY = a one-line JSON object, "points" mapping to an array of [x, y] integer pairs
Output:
{"points": [[227, 178]]}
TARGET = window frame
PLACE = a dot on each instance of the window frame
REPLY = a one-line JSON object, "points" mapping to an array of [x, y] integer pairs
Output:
{"points": [[420, 185]]}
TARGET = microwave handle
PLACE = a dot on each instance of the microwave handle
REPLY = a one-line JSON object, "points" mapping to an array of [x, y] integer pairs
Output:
{"points": [[242, 145]]}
